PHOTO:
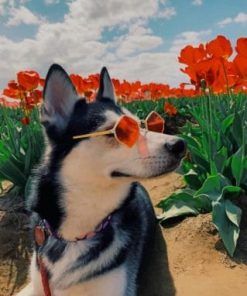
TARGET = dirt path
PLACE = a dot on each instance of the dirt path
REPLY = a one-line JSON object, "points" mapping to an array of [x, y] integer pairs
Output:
{"points": [[198, 264], [197, 260]]}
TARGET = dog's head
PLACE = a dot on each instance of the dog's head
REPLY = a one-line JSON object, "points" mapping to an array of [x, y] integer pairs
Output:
{"points": [[102, 158]]}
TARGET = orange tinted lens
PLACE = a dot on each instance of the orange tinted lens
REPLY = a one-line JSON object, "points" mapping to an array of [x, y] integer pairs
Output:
{"points": [[155, 122], [127, 131]]}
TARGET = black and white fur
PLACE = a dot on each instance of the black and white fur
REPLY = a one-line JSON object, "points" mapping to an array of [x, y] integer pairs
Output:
{"points": [[80, 182]]}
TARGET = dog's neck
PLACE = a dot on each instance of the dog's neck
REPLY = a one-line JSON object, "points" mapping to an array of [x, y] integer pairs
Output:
{"points": [[88, 193], [84, 209]]}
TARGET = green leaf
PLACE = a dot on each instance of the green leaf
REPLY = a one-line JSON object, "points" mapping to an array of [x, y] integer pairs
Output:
{"points": [[244, 178], [237, 164], [9, 171], [179, 195], [233, 212], [178, 209], [227, 122], [199, 158], [237, 129], [193, 180], [4, 153], [191, 141], [230, 192], [185, 167], [220, 159], [183, 203], [226, 218], [28, 155], [213, 187]]}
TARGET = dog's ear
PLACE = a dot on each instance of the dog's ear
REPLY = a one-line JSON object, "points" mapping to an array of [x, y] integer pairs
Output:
{"points": [[59, 98], [106, 89]]}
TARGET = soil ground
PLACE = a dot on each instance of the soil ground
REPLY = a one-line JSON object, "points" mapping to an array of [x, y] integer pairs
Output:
{"points": [[196, 261]]}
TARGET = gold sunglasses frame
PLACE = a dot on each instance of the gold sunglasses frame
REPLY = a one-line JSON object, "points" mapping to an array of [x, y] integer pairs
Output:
{"points": [[113, 130]]}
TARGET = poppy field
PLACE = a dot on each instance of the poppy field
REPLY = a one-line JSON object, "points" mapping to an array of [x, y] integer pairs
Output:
{"points": [[208, 111]]}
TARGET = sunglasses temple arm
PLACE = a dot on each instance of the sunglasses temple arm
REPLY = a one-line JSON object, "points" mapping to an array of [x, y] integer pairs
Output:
{"points": [[91, 135]]}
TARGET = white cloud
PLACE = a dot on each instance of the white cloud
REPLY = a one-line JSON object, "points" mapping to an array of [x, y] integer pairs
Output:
{"points": [[147, 67], [132, 44], [51, 2], [225, 22], [22, 15], [138, 39], [112, 12], [77, 42], [3, 4], [240, 18], [189, 37], [22, 1], [167, 13], [197, 2]]}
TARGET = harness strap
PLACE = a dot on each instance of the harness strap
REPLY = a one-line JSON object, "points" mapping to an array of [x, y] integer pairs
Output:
{"points": [[44, 277], [40, 237]]}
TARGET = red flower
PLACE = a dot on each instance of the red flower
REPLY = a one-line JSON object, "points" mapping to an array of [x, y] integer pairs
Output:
{"points": [[190, 55], [12, 84], [11, 93], [29, 80], [42, 82], [241, 47], [170, 109], [25, 120], [94, 80], [219, 47], [240, 63], [78, 83], [37, 95], [116, 84]]}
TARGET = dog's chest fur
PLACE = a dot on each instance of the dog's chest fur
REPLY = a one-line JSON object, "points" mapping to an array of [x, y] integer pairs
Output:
{"points": [[112, 283], [110, 259]]}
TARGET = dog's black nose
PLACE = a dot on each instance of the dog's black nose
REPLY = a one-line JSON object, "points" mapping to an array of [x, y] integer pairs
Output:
{"points": [[177, 147]]}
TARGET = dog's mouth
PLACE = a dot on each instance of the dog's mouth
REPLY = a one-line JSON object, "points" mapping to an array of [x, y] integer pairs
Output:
{"points": [[154, 173], [116, 174]]}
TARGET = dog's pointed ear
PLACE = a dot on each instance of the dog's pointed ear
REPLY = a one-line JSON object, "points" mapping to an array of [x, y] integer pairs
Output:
{"points": [[106, 89], [59, 98]]}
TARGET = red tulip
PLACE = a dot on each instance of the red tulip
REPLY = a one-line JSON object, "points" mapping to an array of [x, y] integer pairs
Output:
{"points": [[29, 80], [191, 55], [241, 47], [219, 47], [25, 120], [170, 109]]}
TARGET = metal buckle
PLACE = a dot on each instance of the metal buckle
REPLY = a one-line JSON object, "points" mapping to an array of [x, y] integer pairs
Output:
{"points": [[39, 235]]}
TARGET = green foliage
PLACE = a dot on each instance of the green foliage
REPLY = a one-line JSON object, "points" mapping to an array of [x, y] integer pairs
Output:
{"points": [[216, 168], [215, 171], [20, 147]]}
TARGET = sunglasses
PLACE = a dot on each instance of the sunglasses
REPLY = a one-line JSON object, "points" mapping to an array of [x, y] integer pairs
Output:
{"points": [[127, 130]]}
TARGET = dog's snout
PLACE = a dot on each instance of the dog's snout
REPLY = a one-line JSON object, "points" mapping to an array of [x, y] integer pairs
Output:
{"points": [[177, 147]]}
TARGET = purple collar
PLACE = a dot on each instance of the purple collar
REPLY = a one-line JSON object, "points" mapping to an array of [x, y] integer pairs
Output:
{"points": [[50, 232]]}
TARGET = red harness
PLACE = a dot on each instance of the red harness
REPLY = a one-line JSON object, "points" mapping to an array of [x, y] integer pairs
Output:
{"points": [[40, 238], [43, 230]]}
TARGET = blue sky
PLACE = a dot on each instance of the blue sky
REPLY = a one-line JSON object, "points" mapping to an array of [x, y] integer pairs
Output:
{"points": [[135, 39]]}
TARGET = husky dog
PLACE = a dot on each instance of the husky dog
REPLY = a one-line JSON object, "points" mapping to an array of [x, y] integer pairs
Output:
{"points": [[98, 219]]}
